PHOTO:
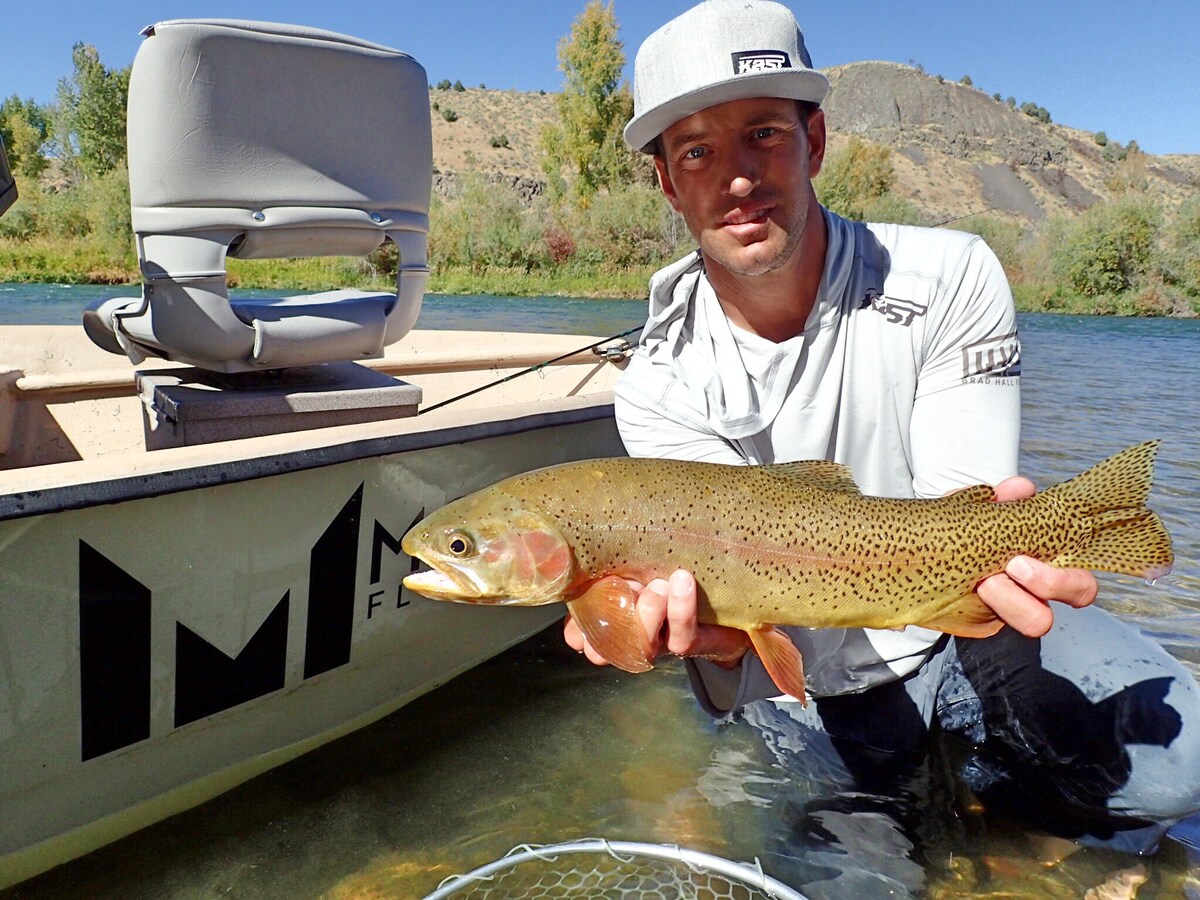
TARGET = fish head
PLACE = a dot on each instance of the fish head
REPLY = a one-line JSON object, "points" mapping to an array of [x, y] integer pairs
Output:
{"points": [[490, 548]]}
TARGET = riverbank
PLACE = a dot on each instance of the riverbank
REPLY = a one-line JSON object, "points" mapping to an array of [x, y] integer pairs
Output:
{"points": [[80, 262]]}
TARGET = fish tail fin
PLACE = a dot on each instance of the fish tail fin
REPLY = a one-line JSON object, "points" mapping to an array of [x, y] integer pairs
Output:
{"points": [[780, 658], [1126, 536]]}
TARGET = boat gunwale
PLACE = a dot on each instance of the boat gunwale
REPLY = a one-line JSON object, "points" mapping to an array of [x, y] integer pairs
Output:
{"points": [[35, 501]]}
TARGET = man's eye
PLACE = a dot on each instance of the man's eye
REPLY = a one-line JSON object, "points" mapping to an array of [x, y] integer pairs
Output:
{"points": [[694, 153], [764, 133]]}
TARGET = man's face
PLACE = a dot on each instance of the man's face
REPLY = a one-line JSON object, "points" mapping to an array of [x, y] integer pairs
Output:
{"points": [[740, 175]]}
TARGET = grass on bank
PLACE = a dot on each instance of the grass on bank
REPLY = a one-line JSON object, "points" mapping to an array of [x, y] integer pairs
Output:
{"points": [[80, 261]]}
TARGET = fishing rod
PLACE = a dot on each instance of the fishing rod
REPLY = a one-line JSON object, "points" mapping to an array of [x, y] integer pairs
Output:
{"points": [[535, 368]]}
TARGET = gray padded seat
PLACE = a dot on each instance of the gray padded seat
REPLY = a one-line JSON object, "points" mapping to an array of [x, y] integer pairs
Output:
{"points": [[259, 140]]}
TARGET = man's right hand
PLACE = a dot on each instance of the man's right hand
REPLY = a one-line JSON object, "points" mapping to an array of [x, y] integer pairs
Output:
{"points": [[667, 609]]}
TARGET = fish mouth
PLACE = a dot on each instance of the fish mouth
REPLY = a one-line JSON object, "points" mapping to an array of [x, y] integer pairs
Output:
{"points": [[446, 584]]}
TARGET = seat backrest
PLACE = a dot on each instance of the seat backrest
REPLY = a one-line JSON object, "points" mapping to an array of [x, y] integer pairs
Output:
{"points": [[261, 140]]}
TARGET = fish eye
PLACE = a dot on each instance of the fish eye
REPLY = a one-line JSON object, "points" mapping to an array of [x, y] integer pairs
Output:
{"points": [[460, 544]]}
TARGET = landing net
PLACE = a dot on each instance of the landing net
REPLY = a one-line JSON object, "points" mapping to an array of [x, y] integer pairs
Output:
{"points": [[597, 869]]}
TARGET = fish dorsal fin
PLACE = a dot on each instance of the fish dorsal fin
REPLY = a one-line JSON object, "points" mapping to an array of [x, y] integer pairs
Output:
{"points": [[976, 493], [823, 474]]}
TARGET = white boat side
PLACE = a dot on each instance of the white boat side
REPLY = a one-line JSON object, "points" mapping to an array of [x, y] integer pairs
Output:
{"points": [[175, 622]]}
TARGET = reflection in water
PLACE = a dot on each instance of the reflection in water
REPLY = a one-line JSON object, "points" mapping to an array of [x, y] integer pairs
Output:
{"points": [[539, 747]]}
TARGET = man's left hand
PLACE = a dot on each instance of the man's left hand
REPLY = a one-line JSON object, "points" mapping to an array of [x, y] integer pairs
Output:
{"points": [[1021, 594]]}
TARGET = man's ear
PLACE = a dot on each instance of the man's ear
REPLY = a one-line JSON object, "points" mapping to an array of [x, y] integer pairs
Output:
{"points": [[816, 142], [664, 181]]}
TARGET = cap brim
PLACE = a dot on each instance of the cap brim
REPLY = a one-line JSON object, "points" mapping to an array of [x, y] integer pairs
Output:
{"points": [[789, 84]]}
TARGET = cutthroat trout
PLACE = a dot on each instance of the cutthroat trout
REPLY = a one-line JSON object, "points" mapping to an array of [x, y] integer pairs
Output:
{"points": [[787, 544]]}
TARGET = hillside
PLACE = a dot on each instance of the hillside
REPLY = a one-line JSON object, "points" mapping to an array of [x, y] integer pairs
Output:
{"points": [[958, 151]]}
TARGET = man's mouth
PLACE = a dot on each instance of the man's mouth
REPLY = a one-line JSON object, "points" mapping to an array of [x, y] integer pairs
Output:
{"points": [[747, 216]]}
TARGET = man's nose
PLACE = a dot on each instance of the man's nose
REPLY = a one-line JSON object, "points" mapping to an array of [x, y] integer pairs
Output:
{"points": [[743, 175], [742, 186]]}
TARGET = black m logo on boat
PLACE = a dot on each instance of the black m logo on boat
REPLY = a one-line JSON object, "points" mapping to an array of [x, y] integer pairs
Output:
{"points": [[115, 645]]}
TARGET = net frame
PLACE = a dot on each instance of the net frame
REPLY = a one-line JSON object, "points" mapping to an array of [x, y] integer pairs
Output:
{"points": [[737, 873]]}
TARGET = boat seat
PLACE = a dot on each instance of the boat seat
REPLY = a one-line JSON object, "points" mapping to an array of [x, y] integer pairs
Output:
{"points": [[258, 141]]}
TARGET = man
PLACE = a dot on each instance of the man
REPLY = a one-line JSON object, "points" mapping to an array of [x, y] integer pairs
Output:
{"points": [[795, 334]]}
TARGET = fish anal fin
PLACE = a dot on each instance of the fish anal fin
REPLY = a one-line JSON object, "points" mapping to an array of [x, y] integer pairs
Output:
{"points": [[781, 659], [823, 474], [969, 617], [607, 615]]}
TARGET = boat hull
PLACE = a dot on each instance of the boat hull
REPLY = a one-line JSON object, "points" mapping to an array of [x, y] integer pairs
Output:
{"points": [[168, 635]]}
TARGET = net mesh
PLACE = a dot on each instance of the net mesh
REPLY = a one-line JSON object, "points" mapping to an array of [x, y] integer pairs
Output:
{"points": [[608, 870]]}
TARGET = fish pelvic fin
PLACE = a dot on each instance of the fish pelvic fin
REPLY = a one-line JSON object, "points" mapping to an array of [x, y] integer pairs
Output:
{"points": [[1126, 536], [607, 615], [781, 659], [968, 617]]}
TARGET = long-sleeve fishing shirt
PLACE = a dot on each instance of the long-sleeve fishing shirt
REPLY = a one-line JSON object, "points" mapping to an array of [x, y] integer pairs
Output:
{"points": [[907, 372]]}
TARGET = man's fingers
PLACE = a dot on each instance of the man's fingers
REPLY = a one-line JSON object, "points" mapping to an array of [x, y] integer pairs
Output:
{"points": [[681, 611], [652, 612], [1016, 606], [1021, 593], [1074, 587], [1015, 488]]}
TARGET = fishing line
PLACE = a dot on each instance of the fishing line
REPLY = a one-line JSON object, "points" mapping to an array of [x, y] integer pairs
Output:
{"points": [[978, 212], [537, 368]]}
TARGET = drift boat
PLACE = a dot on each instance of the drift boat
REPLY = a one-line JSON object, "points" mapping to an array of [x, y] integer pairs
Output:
{"points": [[200, 563]]}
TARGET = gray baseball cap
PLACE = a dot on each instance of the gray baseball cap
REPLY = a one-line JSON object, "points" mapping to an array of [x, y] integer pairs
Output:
{"points": [[718, 51]]}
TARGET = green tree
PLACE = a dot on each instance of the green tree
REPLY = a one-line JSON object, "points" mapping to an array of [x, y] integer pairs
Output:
{"points": [[586, 143], [90, 118], [852, 178], [24, 128]]}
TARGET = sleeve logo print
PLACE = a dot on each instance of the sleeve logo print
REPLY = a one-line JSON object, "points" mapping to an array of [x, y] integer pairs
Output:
{"points": [[993, 361]]}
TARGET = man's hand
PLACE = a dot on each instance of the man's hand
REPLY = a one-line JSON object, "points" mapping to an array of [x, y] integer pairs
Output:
{"points": [[1020, 595], [667, 609]]}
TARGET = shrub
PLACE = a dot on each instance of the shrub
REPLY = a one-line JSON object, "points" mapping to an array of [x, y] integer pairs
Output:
{"points": [[1181, 255], [449, 115], [632, 226], [500, 141], [559, 244], [852, 177], [485, 226], [1108, 248]]}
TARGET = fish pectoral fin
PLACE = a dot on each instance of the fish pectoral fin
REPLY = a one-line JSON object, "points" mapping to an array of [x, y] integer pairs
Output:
{"points": [[606, 613], [969, 617], [781, 659]]}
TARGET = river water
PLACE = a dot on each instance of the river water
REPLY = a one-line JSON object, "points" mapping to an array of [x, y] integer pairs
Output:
{"points": [[537, 747]]}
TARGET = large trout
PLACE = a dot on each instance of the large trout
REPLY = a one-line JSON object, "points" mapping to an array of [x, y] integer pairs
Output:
{"points": [[788, 544]]}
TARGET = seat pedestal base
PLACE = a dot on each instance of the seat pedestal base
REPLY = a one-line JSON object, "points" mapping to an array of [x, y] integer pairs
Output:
{"points": [[188, 406]]}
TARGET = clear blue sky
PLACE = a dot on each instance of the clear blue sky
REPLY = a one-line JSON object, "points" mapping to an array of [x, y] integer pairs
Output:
{"points": [[1131, 70]]}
